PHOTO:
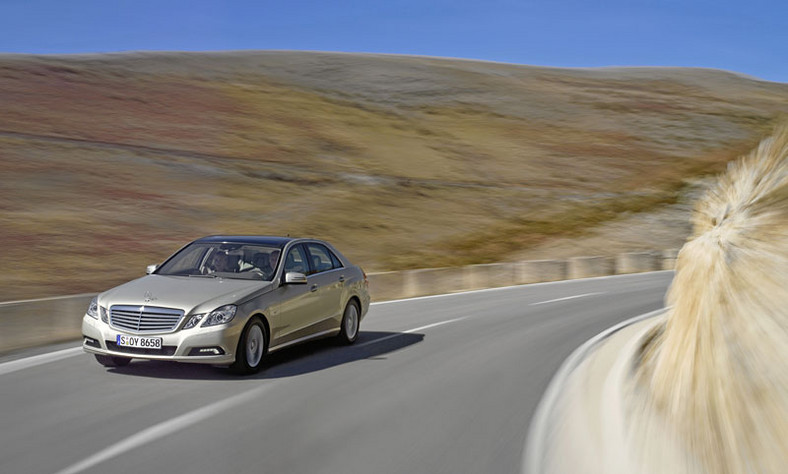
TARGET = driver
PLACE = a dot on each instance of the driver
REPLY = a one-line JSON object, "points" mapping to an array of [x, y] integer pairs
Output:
{"points": [[222, 262], [273, 257]]}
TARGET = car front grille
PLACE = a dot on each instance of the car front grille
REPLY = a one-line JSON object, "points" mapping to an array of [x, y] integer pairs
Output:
{"points": [[143, 319]]}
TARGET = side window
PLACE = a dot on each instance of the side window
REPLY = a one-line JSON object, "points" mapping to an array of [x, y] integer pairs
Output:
{"points": [[296, 260], [335, 260], [321, 258]]}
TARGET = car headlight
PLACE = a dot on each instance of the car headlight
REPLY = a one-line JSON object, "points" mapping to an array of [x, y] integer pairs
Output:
{"points": [[93, 308], [222, 315], [104, 316], [193, 320]]}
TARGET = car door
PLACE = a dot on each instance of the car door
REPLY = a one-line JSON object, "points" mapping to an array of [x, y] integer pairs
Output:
{"points": [[327, 280], [297, 302]]}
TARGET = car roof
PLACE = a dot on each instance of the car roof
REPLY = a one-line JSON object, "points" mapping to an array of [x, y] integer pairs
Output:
{"points": [[266, 240]]}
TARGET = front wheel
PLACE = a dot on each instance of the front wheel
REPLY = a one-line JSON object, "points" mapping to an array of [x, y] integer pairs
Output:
{"points": [[251, 348], [112, 361], [350, 323]]}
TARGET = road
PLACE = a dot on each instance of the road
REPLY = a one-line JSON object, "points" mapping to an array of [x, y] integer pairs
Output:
{"points": [[442, 384]]}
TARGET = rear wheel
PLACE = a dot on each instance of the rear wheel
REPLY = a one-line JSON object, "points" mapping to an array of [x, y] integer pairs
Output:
{"points": [[112, 361], [350, 323], [251, 348]]}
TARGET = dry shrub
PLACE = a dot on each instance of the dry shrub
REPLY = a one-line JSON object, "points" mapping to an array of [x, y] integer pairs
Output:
{"points": [[715, 376]]}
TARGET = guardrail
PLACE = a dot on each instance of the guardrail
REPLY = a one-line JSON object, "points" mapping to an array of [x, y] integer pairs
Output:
{"points": [[33, 323], [430, 281], [44, 321]]}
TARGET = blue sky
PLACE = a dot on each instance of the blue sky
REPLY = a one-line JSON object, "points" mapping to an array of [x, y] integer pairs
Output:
{"points": [[749, 37]]}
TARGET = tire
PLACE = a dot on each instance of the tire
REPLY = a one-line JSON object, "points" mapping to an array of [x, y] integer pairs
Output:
{"points": [[350, 324], [112, 361], [251, 349]]}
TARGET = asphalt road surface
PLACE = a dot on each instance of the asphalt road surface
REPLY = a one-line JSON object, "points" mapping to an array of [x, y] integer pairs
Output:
{"points": [[443, 384]]}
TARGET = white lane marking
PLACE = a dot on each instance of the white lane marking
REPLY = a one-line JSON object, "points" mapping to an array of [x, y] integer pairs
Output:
{"points": [[177, 424], [165, 428], [19, 364], [410, 331], [568, 298]]}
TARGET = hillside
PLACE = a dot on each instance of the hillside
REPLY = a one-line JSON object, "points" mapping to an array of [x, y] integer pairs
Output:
{"points": [[110, 162]]}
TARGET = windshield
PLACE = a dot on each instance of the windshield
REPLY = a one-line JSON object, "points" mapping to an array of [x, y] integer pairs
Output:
{"points": [[241, 261]]}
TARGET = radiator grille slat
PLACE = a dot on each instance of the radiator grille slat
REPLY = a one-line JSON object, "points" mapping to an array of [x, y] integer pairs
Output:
{"points": [[144, 319]]}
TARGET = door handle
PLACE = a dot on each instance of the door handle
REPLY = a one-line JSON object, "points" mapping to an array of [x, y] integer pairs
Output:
{"points": [[314, 288], [342, 278]]}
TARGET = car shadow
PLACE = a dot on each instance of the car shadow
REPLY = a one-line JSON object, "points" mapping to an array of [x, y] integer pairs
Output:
{"points": [[297, 360]]}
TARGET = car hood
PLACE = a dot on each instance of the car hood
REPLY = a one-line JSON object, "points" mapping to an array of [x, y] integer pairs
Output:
{"points": [[193, 295]]}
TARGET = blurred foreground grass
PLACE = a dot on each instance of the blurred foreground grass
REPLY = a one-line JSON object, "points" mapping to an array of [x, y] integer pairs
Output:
{"points": [[111, 162]]}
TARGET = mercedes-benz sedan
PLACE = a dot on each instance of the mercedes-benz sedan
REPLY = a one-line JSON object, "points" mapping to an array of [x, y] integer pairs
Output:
{"points": [[229, 300]]}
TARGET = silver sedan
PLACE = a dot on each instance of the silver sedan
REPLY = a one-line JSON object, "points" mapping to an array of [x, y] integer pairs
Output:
{"points": [[229, 300]]}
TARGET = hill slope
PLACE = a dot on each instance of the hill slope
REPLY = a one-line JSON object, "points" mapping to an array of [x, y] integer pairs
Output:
{"points": [[110, 162]]}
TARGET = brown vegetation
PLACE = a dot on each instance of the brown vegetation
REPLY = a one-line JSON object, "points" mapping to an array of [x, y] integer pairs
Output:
{"points": [[111, 162]]}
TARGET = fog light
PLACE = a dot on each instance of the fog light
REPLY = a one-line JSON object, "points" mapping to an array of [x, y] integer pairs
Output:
{"points": [[206, 351], [89, 341]]}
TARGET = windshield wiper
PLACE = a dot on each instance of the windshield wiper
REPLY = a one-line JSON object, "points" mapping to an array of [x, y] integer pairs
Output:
{"points": [[209, 275]]}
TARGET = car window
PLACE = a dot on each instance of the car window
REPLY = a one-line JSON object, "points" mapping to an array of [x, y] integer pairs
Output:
{"points": [[188, 260], [296, 260], [321, 257], [335, 260]]}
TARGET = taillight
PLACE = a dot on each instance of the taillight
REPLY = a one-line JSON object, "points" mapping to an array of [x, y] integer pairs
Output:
{"points": [[366, 282]]}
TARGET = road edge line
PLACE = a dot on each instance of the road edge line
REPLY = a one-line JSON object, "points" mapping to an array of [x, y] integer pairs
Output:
{"points": [[40, 359]]}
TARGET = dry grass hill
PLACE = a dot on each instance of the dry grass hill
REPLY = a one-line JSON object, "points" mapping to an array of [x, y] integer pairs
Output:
{"points": [[110, 162]]}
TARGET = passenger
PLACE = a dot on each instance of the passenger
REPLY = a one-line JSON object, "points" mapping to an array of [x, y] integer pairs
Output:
{"points": [[265, 263], [270, 265]]}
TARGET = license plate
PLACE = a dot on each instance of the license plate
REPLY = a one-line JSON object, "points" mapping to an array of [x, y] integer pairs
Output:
{"points": [[124, 340]]}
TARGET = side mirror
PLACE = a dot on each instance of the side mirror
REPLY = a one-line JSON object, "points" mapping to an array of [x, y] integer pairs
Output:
{"points": [[295, 278], [151, 269]]}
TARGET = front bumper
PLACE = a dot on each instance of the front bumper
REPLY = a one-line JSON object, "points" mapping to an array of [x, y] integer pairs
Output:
{"points": [[99, 338]]}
